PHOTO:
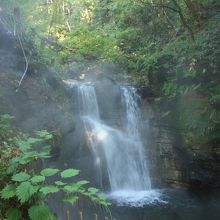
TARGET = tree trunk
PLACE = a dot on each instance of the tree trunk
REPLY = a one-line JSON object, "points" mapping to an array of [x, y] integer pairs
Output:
{"points": [[196, 10], [183, 19], [169, 21]]}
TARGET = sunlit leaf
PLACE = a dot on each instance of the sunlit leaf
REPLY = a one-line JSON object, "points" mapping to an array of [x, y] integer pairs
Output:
{"points": [[60, 183], [21, 177], [71, 199], [71, 188], [49, 189], [49, 172], [69, 173], [37, 179], [8, 192]]}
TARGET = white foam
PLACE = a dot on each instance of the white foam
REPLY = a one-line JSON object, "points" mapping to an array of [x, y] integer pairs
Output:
{"points": [[137, 198]]}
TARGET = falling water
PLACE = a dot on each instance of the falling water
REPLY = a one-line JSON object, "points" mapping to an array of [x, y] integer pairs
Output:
{"points": [[119, 149], [133, 130]]}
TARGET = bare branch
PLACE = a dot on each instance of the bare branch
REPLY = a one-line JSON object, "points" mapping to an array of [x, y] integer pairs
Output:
{"points": [[159, 6]]}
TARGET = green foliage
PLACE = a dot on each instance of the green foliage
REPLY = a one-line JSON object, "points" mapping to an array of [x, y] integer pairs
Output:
{"points": [[37, 179], [88, 44], [5, 121], [49, 189], [39, 212], [20, 177], [23, 190], [170, 89], [8, 192], [181, 73], [93, 190], [71, 188], [69, 173], [71, 199], [13, 214], [49, 172], [60, 183]]}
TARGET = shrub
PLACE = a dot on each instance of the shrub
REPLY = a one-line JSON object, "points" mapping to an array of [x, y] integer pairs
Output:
{"points": [[23, 189]]}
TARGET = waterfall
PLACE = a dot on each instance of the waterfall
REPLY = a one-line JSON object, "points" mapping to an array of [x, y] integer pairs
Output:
{"points": [[137, 157], [114, 133], [118, 150]]}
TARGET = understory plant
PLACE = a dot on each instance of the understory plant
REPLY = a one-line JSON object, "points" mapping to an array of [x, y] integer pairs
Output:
{"points": [[24, 185]]}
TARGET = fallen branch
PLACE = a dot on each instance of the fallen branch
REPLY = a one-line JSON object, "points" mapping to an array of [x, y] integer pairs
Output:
{"points": [[26, 62]]}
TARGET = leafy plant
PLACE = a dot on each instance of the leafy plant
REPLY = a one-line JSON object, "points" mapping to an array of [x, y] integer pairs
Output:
{"points": [[170, 89], [23, 189]]}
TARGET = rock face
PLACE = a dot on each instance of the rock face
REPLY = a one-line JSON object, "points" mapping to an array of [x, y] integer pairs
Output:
{"points": [[170, 157], [180, 164]]}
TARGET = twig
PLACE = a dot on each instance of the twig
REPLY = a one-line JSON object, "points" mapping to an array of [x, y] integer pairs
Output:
{"points": [[26, 62], [159, 5]]}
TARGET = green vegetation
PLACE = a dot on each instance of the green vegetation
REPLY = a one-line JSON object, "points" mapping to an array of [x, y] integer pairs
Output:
{"points": [[24, 186]]}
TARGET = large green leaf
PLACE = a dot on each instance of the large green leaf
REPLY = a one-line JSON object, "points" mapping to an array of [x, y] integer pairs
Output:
{"points": [[20, 160], [13, 214], [39, 212], [71, 199], [37, 179], [30, 155], [60, 183], [20, 177], [25, 190], [8, 192], [93, 190], [82, 182], [71, 188], [69, 173], [49, 172], [49, 189]]}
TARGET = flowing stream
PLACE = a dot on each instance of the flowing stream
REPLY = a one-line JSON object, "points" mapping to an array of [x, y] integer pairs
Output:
{"points": [[119, 149]]}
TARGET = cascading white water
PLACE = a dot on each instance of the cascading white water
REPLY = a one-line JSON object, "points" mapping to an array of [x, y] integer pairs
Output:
{"points": [[120, 150], [133, 130]]}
